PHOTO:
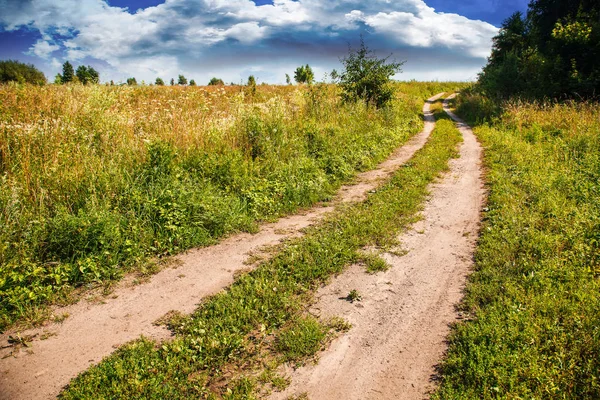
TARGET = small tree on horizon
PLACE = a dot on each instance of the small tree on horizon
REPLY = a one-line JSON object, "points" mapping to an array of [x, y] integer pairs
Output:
{"points": [[288, 80], [251, 84], [159, 82], [87, 75], [192, 82], [131, 81], [182, 80], [82, 74], [216, 81], [172, 82], [94, 76], [304, 74]]}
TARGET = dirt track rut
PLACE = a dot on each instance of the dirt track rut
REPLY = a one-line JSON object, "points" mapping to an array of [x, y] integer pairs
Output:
{"points": [[400, 326], [93, 331]]}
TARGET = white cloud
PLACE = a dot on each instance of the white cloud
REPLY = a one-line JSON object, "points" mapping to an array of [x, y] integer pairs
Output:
{"points": [[198, 36], [43, 48], [428, 28]]}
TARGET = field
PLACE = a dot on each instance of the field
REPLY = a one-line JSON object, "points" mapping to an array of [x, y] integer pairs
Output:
{"points": [[534, 299], [98, 181], [232, 345]]}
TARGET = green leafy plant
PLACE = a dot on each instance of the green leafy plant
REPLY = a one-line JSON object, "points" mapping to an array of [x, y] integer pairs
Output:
{"points": [[353, 296], [304, 74], [366, 77]]}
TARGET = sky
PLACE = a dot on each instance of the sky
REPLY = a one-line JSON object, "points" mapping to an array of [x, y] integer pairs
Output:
{"points": [[232, 39]]}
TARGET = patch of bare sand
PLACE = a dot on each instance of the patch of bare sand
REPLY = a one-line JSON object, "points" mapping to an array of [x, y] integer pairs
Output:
{"points": [[93, 331], [400, 326]]}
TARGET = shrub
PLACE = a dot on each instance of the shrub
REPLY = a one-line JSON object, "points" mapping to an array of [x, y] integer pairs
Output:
{"points": [[366, 77], [68, 72], [15, 71], [304, 74], [216, 81]]}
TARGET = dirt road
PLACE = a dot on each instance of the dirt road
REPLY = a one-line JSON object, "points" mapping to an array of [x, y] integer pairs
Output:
{"points": [[400, 326], [93, 330]]}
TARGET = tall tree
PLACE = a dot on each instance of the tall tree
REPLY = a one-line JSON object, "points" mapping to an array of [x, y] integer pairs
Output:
{"points": [[68, 72], [94, 76], [182, 80], [552, 52], [82, 74]]}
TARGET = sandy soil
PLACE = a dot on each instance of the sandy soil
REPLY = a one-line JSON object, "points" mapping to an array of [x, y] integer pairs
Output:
{"points": [[400, 326], [92, 331]]}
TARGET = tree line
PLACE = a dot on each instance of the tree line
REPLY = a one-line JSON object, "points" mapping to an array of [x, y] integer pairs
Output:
{"points": [[15, 71], [83, 75], [365, 77], [553, 51]]}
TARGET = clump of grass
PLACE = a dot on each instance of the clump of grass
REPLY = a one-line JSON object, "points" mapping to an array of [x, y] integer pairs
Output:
{"points": [[219, 334], [353, 296], [374, 263], [242, 388], [302, 339], [535, 294]]}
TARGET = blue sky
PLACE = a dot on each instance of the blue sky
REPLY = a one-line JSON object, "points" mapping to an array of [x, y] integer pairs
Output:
{"points": [[231, 39]]}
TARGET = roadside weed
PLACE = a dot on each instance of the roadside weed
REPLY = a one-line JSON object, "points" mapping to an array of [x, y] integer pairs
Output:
{"points": [[534, 298]]}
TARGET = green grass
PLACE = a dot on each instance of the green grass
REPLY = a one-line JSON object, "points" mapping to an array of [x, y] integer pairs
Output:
{"points": [[97, 181], [302, 338], [534, 299], [261, 318]]}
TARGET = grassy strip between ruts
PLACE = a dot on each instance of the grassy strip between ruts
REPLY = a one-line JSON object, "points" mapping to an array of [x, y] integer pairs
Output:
{"points": [[534, 299], [213, 352]]}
